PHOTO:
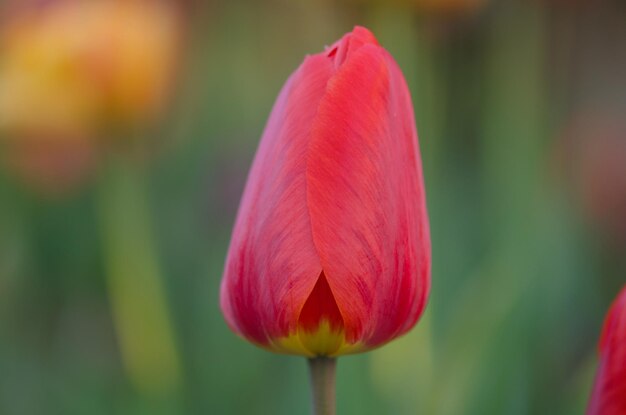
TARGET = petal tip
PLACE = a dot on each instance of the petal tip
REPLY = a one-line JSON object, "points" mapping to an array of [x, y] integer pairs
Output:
{"points": [[341, 50]]}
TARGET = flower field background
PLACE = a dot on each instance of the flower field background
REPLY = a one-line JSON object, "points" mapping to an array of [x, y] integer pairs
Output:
{"points": [[123, 154]]}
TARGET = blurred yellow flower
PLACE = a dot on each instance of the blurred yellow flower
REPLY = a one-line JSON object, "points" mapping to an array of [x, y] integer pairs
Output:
{"points": [[74, 65], [450, 6], [433, 8]]}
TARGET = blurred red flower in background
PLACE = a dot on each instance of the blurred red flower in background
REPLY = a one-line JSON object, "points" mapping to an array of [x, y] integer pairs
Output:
{"points": [[330, 253], [594, 150], [609, 392]]}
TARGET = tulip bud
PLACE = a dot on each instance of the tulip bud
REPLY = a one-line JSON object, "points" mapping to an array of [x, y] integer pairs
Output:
{"points": [[330, 253], [609, 391]]}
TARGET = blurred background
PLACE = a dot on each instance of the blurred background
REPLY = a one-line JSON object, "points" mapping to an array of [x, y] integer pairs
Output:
{"points": [[126, 132]]}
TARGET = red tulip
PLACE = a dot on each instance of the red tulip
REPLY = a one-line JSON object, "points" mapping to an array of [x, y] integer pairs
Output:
{"points": [[609, 391], [330, 253]]}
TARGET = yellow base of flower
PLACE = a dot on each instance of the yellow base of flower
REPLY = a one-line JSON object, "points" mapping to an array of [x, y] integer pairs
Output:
{"points": [[324, 342]]}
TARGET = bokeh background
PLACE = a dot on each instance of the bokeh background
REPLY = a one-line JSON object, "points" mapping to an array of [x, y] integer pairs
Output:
{"points": [[126, 132]]}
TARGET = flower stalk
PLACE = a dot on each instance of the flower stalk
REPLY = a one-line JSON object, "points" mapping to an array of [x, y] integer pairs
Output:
{"points": [[139, 304], [322, 375]]}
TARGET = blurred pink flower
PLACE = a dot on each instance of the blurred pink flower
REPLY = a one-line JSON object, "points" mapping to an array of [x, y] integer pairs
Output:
{"points": [[594, 148]]}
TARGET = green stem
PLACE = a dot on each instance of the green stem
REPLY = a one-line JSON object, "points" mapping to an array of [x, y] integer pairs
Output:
{"points": [[139, 305], [322, 375]]}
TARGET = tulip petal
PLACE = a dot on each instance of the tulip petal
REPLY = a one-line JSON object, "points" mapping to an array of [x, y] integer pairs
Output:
{"points": [[272, 264], [366, 199]]}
